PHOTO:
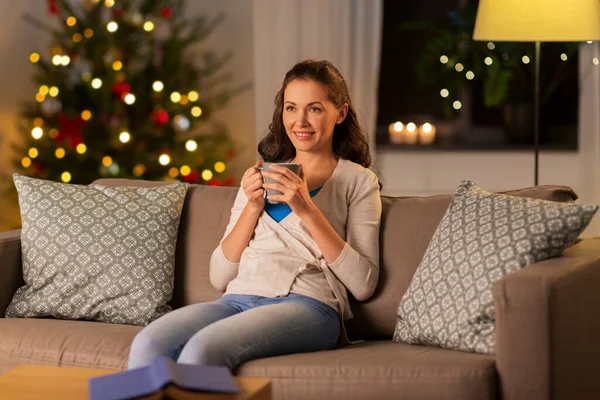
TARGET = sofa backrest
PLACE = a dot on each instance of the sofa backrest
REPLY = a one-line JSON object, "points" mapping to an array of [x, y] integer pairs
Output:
{"points": [[407, 226]]}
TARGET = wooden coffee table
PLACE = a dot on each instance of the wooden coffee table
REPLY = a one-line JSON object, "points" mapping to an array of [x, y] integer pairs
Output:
{"points": [[33, 382]]}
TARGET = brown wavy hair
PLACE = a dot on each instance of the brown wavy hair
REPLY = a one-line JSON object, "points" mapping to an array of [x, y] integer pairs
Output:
{"points": [[349, 141]]}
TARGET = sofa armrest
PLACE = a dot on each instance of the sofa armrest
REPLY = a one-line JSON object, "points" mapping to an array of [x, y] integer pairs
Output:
{"points": [[548, 327], [11, 275]]}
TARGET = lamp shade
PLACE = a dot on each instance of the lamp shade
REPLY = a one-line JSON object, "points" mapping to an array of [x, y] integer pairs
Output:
{"points": [[538, 20]]}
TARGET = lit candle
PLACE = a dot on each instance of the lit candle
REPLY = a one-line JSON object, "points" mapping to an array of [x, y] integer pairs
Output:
{"points": [[396, 132], [411, 133], [426, 133]]}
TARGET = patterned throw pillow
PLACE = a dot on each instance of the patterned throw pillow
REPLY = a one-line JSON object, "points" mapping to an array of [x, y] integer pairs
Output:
{"points": [[96, 253], [482, 237]]}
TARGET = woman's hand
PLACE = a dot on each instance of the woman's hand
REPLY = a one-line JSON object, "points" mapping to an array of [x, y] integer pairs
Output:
{"points": [[293, 188], [252, 184]]}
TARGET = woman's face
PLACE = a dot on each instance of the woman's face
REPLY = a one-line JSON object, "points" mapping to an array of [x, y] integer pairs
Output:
{"points": [[309, 117]]}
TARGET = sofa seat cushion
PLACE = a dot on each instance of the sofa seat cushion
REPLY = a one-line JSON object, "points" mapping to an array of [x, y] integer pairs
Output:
{"points": [[64, 343], [379, 370]]}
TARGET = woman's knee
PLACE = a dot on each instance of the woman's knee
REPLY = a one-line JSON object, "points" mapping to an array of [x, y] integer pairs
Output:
{"points": [[209, 348]]}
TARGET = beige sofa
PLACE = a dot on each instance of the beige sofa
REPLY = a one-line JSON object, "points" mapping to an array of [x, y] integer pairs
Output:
{"points": [[548, 318]]}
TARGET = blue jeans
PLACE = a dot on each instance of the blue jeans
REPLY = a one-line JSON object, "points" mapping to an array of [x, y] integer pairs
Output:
{"points": [[237, 328]]}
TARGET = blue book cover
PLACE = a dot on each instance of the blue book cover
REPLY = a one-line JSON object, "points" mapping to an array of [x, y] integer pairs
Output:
{"points": [[158, 376]]}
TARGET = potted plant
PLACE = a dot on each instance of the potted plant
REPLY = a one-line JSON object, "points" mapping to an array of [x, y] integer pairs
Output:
{"points": [[452, 60]]}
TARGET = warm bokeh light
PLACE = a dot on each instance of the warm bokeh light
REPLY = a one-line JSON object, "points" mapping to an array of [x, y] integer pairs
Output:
{"points": [[96, 83], [77, 37], [139, 170], [457, 105], [196, 111], [33, 152], [563, 57], [443, 59], [193, 95], [112, 26], [488, 61], [39, 97], [525, 60], [65, 177], [107, 160], [53, 91], [57, 59], [109, 3], [53, 133], [220, 166], [459, 67], [37, 133], [59, 153], [44, 90], [129, 98], [26, 162], [117, 65], [34, 57], [184, 99], [470, 75], [86, 115], [173, 172], [88, 33], [158, 86], [71, 21], [175, 97], [124, 137], [207, 175], [38, 121], [148, 26], [81, 148], [444, 93], [185, 170], [164, 159], [191, 145], [491, 46]]}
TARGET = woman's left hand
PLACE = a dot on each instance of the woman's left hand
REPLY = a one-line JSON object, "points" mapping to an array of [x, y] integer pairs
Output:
{"points": [[294, 189]]}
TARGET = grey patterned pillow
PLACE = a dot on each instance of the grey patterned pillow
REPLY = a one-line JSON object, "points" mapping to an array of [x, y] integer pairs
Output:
{"points": [[482, 237], [96, 253]]}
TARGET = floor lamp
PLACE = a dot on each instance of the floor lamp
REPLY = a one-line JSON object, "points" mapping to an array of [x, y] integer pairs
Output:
{"points": [[537, 21]]}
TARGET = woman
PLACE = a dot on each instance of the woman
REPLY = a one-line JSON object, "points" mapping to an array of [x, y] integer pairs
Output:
{"points": [[286, 268]]}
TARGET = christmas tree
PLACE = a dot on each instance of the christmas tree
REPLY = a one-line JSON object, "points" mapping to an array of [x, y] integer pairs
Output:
{"points": [[125, 92]]}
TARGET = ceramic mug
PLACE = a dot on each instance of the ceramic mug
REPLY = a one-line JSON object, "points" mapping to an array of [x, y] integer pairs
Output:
{"points": [[296, 168]]}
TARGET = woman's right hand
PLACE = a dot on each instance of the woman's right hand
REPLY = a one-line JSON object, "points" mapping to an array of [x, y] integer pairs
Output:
{"points": [[252, 184]]}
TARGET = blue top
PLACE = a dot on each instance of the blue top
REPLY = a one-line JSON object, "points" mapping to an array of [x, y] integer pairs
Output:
{"points": [[281, 210]]}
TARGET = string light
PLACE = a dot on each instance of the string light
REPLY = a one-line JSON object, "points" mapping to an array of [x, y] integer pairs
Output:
{"points": [[43, 90], [38, 121], [164, 159], [109, 3], [107, 160], [525, 60], [53, 133], [184, 99], [117, 65], [112, 26], [86, 115], [124, 137], [196, 111], [57, 59], [86, 76], [491, 46], [158, 86], [96, 83], [193, 95], [175, 97], [65, 177], [71, 21], [26, 162], [88, 33], [77, 37], [459, 67], [129, 98], [470, 75], [191, 145], [148, 26], [37, 133], [443, 59], [207, 175], [173, 172], [59, 153], [457, 105], [34, 57], [563, 57], [220, 166], [411, 126], [595, 61], [488, 61], [81, 148], [444, 93], [53, 91], [40, 97], [185, 170], [33, 152]]}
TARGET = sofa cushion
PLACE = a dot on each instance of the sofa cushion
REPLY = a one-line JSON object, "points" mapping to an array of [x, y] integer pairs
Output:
{"points": [[407, 225], [482, 237], [204, 218], [64, 343], [378, 370], [96, 253]]}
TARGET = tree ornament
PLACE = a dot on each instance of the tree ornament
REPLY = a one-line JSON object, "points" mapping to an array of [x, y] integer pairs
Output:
{"points": [[121, 88], [166, 12], [52, 7], [192, 177], [50, 106], [70, 130], [181, 123], [159, 117]]}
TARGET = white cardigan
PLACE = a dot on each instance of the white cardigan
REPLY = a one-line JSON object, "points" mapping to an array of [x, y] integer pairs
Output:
{"points": [[283, 257]]}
